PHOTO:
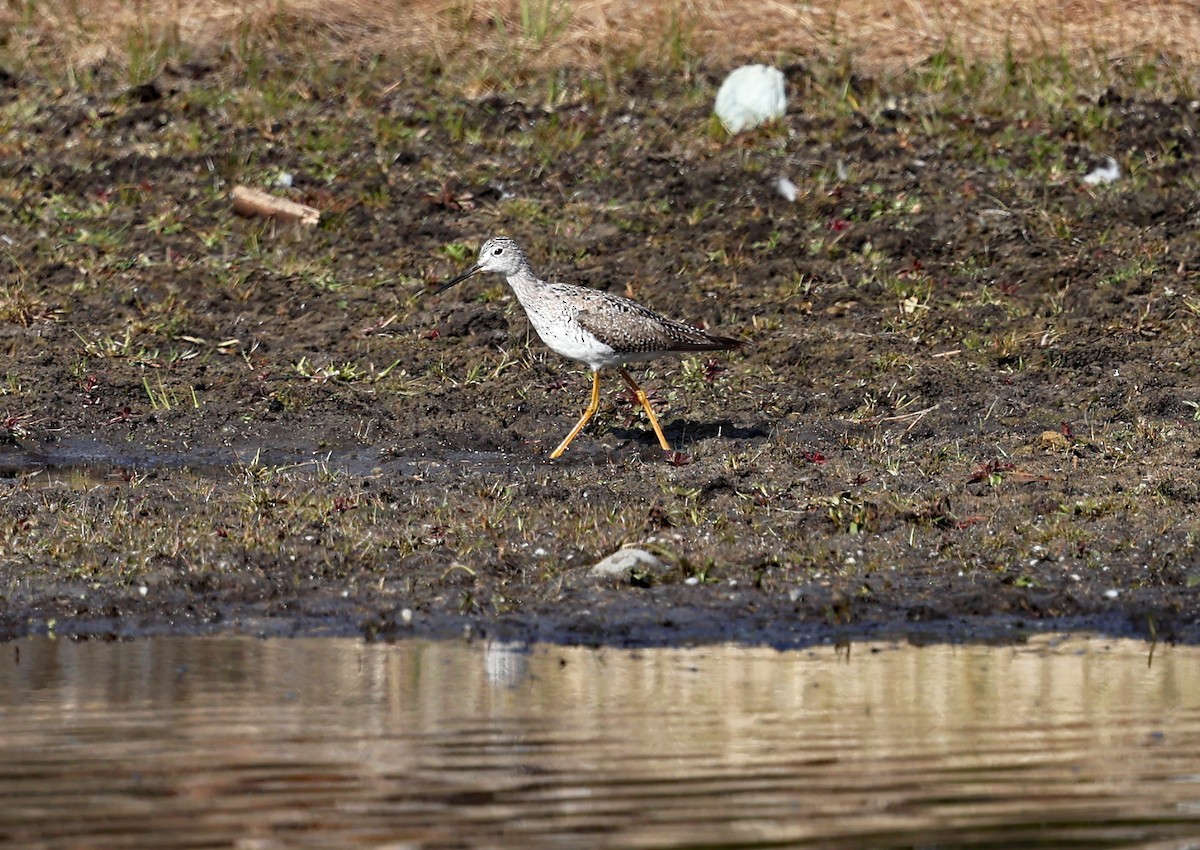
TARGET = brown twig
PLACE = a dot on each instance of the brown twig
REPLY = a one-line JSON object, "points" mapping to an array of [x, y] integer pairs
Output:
{"points": [[251, 202]]}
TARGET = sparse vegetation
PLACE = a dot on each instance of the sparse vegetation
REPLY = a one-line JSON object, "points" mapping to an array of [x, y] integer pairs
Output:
{"points": [[970, 379]]}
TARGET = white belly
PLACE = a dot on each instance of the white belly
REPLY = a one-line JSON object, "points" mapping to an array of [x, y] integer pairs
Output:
{"points": [[572, 341], [552, 309]]}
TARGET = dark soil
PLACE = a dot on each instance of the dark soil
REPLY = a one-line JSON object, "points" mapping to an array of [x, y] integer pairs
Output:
{"points": [[967, 407]]}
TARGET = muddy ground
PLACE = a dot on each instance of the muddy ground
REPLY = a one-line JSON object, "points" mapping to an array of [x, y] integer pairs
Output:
{"points": [[967, 406]]}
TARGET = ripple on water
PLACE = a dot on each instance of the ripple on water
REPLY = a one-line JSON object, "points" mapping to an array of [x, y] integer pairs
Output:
{"points": [[335, 743]]}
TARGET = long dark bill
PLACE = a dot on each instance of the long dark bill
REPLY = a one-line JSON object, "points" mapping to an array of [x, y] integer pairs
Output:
{"points": [[458, 279]]}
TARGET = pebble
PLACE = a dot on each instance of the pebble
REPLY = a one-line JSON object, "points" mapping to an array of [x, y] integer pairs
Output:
{"points": [[1110, 172], [621, 563]]}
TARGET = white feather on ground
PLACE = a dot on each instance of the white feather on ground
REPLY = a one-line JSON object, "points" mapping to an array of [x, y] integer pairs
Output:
{"points": [[750, 96]]}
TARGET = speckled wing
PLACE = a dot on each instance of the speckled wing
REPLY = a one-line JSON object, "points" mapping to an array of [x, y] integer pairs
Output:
{"points": [[629, 328]]}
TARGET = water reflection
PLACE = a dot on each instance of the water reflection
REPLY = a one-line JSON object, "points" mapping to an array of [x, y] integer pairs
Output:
{"points": [[335, 743]]}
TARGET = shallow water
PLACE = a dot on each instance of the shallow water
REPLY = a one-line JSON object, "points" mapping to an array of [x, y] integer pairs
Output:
{"points": [[231, 742], [83, 462]]}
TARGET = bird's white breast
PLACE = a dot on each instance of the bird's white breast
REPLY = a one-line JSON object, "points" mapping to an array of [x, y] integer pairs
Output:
{"points": [[564, 336], [553, 310]]}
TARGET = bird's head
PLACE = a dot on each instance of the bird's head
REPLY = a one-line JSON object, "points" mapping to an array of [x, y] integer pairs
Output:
{"points": [[499, 255]]}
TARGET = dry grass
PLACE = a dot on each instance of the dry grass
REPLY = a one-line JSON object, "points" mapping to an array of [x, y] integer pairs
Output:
{"points": [[879, 34]]}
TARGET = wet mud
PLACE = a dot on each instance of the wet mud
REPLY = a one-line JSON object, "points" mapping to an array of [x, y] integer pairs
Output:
{"points": [[966, 409]]}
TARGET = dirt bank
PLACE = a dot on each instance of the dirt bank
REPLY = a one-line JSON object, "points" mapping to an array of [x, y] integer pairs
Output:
{"points": [[967, 406]]}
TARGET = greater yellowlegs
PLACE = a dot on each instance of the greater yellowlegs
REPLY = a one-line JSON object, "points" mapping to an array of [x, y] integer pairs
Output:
{"points": [[593, 327]]}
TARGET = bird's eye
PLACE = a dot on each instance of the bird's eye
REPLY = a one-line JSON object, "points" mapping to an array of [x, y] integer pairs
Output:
{"points": [[497, 252]]}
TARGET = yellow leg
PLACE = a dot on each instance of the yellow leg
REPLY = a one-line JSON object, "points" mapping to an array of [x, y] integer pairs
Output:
{"points": [[592, 407], [645, 402]]}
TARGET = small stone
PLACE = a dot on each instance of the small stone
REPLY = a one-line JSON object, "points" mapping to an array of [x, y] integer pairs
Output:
{"points": [[1102, 175], [626, 565]]}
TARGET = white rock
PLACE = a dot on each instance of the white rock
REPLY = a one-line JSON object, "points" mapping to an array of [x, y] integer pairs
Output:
{"points": [[1110, 172], [784, 186], [621, 563], [751, 95]]}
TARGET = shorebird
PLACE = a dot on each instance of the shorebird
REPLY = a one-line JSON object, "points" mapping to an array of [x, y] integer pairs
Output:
{"points": [[594, 327]]}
